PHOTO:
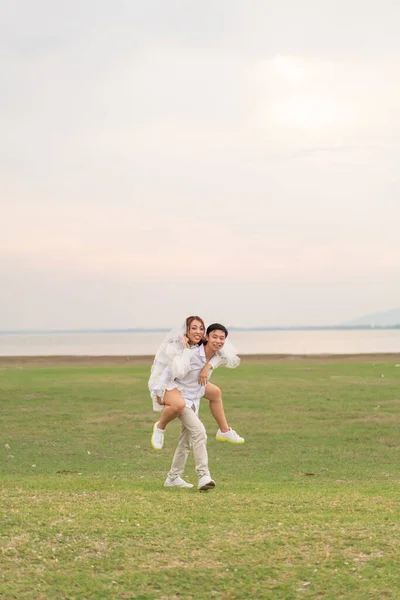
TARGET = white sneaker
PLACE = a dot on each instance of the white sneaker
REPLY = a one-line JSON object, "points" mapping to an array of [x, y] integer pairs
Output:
{"points": [[157, 438], [229, 436], [177, 482], [206, 483]]}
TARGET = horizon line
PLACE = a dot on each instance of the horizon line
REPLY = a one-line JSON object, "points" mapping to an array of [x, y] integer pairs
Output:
{"points": [[164, 329]]}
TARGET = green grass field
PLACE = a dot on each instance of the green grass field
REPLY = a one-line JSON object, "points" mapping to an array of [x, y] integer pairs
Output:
{"points": [[308, 507]]}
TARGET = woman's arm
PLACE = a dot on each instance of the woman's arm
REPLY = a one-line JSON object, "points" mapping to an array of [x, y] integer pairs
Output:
{"points": [[178, 355]]}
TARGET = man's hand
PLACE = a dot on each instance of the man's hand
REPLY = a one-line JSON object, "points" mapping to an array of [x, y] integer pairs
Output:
{"points": [[203, 376]]}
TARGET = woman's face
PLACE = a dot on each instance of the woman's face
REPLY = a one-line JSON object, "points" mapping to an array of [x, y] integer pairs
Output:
{"points": [[195, 332]]}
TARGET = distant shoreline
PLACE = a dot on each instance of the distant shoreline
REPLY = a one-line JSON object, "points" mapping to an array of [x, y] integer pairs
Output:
{"points": [[237, 329], [105, 361]]}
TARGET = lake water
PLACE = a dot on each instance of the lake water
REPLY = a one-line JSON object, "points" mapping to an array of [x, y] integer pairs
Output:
{"points": [[246, 342]]}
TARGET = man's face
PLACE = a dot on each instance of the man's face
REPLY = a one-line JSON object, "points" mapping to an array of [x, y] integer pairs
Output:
{"points": [[216, 339]]}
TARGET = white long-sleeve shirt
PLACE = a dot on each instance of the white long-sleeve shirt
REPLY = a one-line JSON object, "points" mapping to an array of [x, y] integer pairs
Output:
{"points": [[188, 383], [175, 365]]}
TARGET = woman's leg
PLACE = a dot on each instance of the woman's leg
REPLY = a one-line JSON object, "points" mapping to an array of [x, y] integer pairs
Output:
{"points": [[214, 396], [225, 433], [173, 406]]}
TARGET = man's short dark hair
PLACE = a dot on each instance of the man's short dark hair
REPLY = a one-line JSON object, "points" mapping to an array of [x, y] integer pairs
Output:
{"points": [[215, 326]]}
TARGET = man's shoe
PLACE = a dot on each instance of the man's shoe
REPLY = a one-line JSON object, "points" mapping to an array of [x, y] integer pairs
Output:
{"points": [[206, 483], [229, 436], [177, 482], [157, 438]]}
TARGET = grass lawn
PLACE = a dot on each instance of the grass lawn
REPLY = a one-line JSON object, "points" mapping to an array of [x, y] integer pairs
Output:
{"points": [[308, 507]]}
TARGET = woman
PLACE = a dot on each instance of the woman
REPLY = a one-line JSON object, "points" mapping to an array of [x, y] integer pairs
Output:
{"points": [[171, 362]]}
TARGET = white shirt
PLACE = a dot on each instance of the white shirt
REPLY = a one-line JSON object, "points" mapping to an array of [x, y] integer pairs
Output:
{"points": [[188, 383], [172, 362]]}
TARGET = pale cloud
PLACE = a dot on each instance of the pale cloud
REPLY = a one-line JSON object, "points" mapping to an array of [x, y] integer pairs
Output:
{"points": [[149, 148]]}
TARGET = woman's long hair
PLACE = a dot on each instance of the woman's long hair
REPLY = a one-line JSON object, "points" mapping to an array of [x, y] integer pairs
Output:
{"points": [[190, 320]]}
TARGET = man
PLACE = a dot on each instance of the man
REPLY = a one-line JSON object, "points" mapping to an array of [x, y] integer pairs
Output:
{"points": [[193, 433]]}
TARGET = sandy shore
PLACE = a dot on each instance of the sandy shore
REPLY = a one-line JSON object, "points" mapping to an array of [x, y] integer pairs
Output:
{"points": [[105, 361]]}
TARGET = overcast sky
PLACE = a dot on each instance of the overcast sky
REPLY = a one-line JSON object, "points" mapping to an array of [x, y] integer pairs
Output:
{"points": [[238, 159]]}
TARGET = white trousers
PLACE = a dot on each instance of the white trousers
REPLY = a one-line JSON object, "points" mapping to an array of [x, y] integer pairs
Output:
{"points": [[193, 435]]}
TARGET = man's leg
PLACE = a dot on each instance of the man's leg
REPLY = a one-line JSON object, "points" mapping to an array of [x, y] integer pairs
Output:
{"points": [[181, 454], [225, 433], [198, 440], [193, 434]]}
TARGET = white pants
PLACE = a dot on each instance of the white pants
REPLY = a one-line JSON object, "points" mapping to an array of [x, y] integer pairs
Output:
{"points": [[193, 435]]}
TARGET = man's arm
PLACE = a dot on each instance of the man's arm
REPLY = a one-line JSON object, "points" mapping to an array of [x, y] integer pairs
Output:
{"points": [[213, 363]]}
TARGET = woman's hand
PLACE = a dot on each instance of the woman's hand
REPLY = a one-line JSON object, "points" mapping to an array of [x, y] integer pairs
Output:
{"points": [[159, 400], [203, 375], [186, 341]]}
